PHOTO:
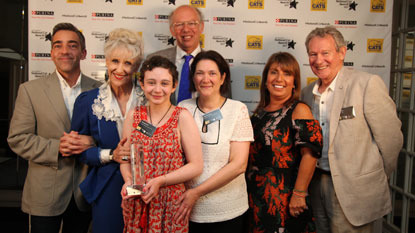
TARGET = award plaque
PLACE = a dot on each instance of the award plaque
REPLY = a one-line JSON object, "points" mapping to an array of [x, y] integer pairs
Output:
{"points": [[137, 170]]}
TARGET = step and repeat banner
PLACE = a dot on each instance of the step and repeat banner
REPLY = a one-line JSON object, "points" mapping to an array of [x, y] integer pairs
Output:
{"points": [[245, 32]]}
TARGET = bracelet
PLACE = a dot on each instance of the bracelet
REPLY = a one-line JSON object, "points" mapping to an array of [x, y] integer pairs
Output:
{"points": [[299, 191], [300, 195]]}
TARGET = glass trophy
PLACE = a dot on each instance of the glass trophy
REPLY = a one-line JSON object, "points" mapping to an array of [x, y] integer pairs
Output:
{"points": [[137, 170]]}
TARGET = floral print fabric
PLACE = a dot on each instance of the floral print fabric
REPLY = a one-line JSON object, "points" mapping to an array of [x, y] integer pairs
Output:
{"points": [[274, 159]]}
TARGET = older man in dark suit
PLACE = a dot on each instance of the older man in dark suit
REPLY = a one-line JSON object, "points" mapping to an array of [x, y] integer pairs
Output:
{"points": [[42, 114]]}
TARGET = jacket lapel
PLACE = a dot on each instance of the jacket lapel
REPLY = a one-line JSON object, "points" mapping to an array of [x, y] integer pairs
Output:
{"points": [[53, 92], [87, 84], [339, 95]]}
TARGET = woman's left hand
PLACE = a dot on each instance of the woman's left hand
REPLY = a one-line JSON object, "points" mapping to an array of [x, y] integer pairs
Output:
{"points": [[186, 201], [151, 189], [297, 205]]}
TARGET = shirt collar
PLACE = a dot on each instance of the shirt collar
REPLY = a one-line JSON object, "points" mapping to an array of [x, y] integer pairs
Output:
{"points": [[331, 87], [180, 52], [65, 84]]}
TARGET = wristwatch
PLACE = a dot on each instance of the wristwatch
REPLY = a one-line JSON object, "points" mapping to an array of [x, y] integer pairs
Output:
{"points": [[111, 156]]}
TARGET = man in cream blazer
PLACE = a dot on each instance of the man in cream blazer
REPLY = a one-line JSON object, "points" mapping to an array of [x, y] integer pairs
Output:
{"points": [[42, 114], [361, 137]]}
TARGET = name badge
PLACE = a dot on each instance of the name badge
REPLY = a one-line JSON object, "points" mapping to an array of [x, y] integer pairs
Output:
{"points": [[347, 113], [146, 128], [210, 118]]}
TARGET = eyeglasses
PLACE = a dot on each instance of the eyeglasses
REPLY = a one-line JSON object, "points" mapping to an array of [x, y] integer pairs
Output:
{"points": [[190, 24]]}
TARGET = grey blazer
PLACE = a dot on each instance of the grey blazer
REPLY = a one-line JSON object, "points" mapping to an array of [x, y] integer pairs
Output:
{"points": [[39, 120], [363, 151]]}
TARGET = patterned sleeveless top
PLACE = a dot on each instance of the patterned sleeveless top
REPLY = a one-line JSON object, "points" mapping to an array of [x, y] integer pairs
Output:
{"points": [[162, 154]]}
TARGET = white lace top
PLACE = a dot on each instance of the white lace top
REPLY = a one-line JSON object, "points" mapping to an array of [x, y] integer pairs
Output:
{"points": [[231, 200]]}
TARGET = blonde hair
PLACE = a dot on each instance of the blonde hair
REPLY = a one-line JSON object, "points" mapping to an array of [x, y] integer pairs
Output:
{"points": [[125, 38]]}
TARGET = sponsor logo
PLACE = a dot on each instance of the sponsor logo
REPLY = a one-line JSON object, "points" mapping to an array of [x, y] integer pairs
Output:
{"points": [[286, 22], [165, 39], [348, 63], [345, 22], [103, 16], [229, 61], [42, 35], [285, 43], [98, 56], [350, 45], [166, 17], [38, 74], [198, 3], [202, 41], [133, 17], [74, 1], [318, 5], [255, 21], [377, 6], [289, 3], [108, 1], [224, 20], [374, 45], [172, 2], [100, 36], [252, 82], [311, 79], [256, 4], [225, 41], [347, 4], [376, 25], [40, 56], [47, 13], [134, 2], [253, 42]]}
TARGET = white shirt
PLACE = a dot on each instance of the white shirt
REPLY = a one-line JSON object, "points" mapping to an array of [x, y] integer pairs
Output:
{"points": [[179, 64], [322, 106], [69, 93]]}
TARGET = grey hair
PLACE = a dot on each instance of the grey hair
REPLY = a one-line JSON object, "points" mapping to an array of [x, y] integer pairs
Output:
{"points": [[322, 32], [69, 27], [128, 39], [199, 13]]}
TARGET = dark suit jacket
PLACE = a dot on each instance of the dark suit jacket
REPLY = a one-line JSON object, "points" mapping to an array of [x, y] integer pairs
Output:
{"points": [[40, 117], [363, 151]]}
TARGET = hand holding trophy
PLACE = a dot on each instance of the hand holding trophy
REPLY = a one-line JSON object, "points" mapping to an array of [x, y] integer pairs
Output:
{"points": [[137, 170]]}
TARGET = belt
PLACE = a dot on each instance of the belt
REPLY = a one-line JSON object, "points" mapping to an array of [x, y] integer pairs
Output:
{"points": [[321, 171]]}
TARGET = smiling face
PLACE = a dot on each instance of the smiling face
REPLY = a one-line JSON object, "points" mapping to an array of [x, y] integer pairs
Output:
{"points": [[280, 83], [67, 53], [325, 61], [186, 27], [158, 85], [121, 67], [207, 78]]}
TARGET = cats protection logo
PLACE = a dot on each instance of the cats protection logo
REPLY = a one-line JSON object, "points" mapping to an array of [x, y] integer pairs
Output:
{"points": [[256, 4], [318, 5], [252, 82], [374, 45], [377, 6], [198, 3], [253, 42], [202, 41], [74, 1], [134, 2]]}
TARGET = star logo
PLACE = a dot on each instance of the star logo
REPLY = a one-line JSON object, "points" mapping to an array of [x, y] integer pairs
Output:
{"points": [[352, 6], [230, 3], [172, 2], [293, 4], [170, 41], [48, 37], [108, 1], [291, 44], [350, 45], [229, 42]]}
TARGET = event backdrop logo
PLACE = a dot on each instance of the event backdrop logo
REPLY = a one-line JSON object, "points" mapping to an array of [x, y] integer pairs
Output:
{"points": [[134, 2], [256, 4], [43, 14], [377, 6], [318, 5], [224, 20], [202, 41], [252, 82], [311, 79], [289, 3], [350, 45], [198, 3], [74, 1], [374, 45], [253, 42], [286, 22], [224, 41], [285, 42]]}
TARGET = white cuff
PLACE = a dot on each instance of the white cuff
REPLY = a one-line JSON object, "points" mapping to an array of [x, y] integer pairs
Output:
{"points": [[105, 156]]}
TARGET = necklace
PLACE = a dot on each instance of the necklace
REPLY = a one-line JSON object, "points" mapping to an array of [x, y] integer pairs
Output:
{"points": [[149, 114]]}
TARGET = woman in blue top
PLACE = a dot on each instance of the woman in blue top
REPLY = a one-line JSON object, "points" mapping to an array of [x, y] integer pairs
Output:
{"points": [[100, 113]]}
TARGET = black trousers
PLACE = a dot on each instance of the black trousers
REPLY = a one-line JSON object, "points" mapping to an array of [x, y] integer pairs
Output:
{"points": [[74, 221], [235, 225]]}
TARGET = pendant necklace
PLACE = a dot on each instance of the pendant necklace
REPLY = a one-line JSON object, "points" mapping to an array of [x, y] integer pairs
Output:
{"points": [[149, 114]]}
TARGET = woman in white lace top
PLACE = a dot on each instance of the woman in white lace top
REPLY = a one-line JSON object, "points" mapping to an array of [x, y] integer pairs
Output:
{"points": [[217, 199]]}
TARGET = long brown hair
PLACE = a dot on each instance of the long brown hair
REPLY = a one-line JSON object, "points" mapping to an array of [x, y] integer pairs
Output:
{"points": [[287, 63]]}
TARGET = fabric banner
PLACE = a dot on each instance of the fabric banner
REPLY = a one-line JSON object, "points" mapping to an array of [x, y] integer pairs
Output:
{"points": [[245, 32]]}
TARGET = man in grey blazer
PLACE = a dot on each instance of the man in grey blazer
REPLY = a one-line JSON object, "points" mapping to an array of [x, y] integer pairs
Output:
{"points": [[361, 135], [186, 25], [42, 113]]}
